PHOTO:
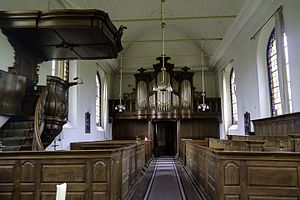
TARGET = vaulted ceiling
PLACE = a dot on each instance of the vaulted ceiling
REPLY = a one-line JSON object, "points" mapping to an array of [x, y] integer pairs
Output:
{"points": [[188, 23]]}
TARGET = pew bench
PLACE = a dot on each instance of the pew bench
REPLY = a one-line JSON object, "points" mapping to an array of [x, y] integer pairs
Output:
{"points": [[91, 174], [234, 175], [135, 157]]}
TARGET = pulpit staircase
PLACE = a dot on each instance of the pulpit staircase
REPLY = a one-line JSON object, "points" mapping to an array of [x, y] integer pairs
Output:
{"points": [[17, 134], [46, 114]]}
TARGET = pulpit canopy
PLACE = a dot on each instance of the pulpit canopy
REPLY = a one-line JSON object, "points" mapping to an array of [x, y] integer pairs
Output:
{"points": [[63, 34]]}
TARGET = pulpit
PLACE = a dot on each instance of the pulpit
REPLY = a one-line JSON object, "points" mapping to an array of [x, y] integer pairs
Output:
{"points": [[39, 36]]}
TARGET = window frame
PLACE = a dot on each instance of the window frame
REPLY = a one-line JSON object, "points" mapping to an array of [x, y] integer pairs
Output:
{"points": [[98, 100], [234, 120], [272, 73]]}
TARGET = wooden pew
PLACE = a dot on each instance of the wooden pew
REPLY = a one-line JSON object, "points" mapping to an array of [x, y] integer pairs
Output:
{"points": [[233, 175], [232, 145], [95, 171], [272, 143], [182, 147], [135, 155], [90, 175], [88, 145]]}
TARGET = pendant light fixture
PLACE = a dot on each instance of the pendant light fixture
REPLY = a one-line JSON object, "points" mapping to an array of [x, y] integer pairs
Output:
{"points": [[203, 106], [164, 84], [120, 107]]}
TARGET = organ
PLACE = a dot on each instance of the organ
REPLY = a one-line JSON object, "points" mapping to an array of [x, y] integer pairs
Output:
{"points": [[162, 103]]}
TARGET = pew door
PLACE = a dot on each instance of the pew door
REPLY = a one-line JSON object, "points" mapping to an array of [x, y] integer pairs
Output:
{"points": [[165, 138]]}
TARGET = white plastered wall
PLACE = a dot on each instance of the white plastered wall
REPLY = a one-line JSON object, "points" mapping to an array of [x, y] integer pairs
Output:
{"points": [[82, 99], [6, 53], [250, 67]]}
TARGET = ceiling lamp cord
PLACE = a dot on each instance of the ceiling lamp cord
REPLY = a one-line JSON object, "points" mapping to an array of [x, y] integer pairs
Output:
{"points": [[203, 106], [163, 86], [163, 24], [120, 107]]}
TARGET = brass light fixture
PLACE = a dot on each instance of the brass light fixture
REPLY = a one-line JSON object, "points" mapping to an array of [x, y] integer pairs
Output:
{"points": [[203, 107], [120, 107], [164, 85]]}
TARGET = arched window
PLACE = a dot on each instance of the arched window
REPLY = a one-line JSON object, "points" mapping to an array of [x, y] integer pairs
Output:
{"points": [[98, 100], [234, 113], [65, 76], [275, 97], [287, 67], [65, 69]]}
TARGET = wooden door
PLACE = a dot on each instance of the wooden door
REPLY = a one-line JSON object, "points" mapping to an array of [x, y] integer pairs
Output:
{"points": [[165, 138]]}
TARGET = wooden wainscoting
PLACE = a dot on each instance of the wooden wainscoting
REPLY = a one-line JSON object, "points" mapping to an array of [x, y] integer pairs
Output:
{"points": [[199, 128], [129, 129], [279, 125]]}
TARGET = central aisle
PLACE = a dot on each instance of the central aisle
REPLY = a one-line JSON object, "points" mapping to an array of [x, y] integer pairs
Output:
{"points": [[165, 182], [165, 179]]}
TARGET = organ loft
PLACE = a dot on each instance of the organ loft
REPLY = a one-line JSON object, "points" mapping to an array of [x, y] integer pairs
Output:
{"points": [[149, 100]]}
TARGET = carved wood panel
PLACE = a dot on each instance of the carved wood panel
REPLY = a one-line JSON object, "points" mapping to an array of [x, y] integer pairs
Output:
{"points": [[199, 128], [279, 125], [234, 175], [36, 178], [129, 129]]}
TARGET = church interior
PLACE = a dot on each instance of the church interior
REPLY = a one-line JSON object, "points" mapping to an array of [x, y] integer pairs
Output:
{"points": [[161, 99]]}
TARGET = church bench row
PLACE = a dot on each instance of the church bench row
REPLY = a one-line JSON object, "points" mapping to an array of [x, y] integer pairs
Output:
{"points": [[147, 146], [133, 159], [89, 174], [234, 175]]}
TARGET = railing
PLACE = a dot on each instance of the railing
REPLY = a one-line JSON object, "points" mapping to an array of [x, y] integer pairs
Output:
{"points": [[130, 105], [39, 121]]}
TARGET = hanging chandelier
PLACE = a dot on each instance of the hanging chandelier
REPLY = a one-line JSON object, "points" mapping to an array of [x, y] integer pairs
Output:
{"points": [[120, 107], [203, 107], [164, 85]]}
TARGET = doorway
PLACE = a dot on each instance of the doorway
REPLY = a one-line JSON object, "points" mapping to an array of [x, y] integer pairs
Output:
{"points": [[165, 138]]}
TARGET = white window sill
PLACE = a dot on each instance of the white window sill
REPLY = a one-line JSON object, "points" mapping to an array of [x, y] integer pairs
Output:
{"points": [[234, 127], [100, 128]]}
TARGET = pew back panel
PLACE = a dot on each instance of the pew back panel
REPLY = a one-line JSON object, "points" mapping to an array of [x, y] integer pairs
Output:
{"points": [[223, 175], [135, 154], [90, 175]]}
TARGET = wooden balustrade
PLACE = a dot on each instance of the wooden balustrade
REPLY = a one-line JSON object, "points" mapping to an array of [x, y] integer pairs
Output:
{"points": [[39, 120], [130, 105]]}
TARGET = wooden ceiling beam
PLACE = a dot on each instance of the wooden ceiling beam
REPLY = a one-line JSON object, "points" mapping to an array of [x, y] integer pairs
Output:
{"points": [[175, 40], [175, 18]]}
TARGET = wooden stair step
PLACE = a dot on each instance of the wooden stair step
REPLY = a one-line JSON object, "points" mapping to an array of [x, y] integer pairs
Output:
{"points": [[19, 125], [15, 141], [17, 148], [16, 133]]}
